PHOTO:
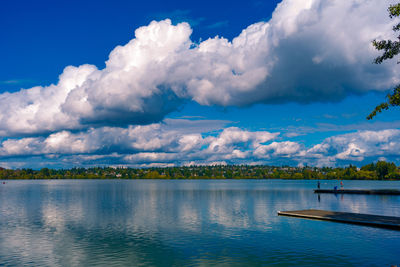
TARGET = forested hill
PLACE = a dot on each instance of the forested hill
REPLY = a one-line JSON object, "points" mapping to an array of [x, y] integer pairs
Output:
{"points": [[379, 171]]}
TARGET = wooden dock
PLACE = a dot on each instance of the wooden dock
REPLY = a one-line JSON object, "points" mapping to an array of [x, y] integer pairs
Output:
{"points": [[359, 191], [346, 217]]}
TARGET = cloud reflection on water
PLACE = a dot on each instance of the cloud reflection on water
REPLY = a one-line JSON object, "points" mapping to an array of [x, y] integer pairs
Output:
{"points": [[143, 222]]}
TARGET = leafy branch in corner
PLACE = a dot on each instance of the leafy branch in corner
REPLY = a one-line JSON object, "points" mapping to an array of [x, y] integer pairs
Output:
{"points": [[390, 49]]}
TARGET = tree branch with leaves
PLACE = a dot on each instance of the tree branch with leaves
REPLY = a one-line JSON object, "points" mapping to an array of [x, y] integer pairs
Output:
{"points": [[390, 49]]}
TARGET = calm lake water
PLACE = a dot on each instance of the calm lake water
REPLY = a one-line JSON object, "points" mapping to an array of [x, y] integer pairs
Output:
{"points": [[189, 223]]}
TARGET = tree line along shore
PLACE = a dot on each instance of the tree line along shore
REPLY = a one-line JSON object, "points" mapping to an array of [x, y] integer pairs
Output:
{"points": [[374, 171]]}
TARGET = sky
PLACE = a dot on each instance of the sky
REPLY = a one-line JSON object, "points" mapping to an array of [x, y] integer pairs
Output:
{"points": [[172, 83]]}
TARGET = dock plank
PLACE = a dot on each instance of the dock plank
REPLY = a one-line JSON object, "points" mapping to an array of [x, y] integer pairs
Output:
{"points": [[359, 191], [389, 222]]}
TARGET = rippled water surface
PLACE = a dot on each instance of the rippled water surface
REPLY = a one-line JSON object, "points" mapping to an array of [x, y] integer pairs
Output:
{"points": [[189, 223]]}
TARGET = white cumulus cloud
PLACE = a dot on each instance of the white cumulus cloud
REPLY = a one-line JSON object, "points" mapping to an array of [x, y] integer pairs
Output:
{"points": [[160, 145], [356, 147], [310, 50]]}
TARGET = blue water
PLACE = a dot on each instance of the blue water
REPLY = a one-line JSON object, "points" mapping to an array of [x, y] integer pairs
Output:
{"points": [[189, 223]]}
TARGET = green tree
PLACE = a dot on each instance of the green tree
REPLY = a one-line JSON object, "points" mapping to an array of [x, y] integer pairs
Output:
{"points": [[298, 175], [383, 168], [390, 49], [152, 175], [368, 175], [395, 175], [369, 167], [44, 173]]}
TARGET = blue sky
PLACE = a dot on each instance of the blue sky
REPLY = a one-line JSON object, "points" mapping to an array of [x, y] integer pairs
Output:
{"points": [[255, 82], [40, 38]]}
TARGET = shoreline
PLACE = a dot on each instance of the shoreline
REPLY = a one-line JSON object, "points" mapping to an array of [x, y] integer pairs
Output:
{"points": [[194, 179]]}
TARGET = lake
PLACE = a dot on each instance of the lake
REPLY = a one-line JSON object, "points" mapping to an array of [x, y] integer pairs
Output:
{"points": [[189, 223]]}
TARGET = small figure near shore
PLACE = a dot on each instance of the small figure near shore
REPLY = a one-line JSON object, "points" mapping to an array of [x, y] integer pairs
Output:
{"points": [[341, 184], [319, 185]]}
